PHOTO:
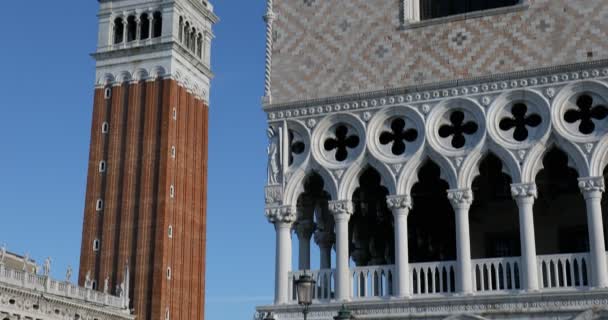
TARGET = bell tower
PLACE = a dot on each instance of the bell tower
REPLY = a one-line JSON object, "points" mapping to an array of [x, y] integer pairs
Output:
{"points": [[144, 230]]}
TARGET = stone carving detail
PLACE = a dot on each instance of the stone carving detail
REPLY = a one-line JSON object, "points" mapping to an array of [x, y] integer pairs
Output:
{"points": [[592, 184], [342, 142], [398, 136], [399, 202], [586, 114], [524, 190], [68, 274], [520, 121], [46, 268], [281, 214], [458, 129], [273, 194], [341, 208], [2, 253], [460, 197], [274, 162]]}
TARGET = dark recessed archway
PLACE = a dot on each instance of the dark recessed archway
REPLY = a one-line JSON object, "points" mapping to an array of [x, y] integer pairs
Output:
{"points": [[431, 223]]}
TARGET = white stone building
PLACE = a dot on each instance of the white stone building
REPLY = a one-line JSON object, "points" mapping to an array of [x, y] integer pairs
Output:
{"points": [[448, 158], [27, 295]]}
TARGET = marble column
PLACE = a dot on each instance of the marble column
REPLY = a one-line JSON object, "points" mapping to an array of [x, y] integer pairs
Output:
{"points": [[283, 218], [304, 230], [401, 206], [461, 200], [342, 211], [592, 189], [524, 195], [325, 240]]}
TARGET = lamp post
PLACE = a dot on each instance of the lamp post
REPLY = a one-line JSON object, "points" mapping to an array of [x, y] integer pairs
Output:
{"points": [[344, 314], [305, 288]]}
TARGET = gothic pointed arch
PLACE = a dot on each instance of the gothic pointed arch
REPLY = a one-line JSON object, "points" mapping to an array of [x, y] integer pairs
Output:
{"points": [[295, 184], [351, 179]]}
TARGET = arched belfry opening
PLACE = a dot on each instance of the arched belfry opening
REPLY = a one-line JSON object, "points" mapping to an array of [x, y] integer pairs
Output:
{"points": [[493, 216], [431, 227], [560, 217], [371, 226]]}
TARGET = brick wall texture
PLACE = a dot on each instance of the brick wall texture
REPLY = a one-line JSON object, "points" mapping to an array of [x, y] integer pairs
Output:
{"points": [[326, 48], [138, 206]]}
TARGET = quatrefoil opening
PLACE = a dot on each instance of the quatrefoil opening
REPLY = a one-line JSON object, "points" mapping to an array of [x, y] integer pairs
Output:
{"points": [[399, 136], [458, 129], [586, 113], [341, 143], [521, 120]]}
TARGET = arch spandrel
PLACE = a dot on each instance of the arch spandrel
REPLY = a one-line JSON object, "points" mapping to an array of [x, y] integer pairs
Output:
{"points": [[295, 185], [599, 158], [409, 174], [350, 181]]}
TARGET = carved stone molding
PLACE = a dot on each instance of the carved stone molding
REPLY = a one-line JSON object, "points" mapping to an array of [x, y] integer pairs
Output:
{"points": [[281, 214], [399, 202], [341, 209], [524, 190], [460, 198], [592, 184]]}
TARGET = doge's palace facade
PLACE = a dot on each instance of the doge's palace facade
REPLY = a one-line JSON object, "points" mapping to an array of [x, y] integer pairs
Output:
{"points": [[439, 160]]}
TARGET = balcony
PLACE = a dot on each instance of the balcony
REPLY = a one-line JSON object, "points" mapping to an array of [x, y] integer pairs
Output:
{"points": [[496, 276]]}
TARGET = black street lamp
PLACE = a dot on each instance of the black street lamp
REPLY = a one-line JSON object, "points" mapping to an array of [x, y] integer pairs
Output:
{"points": [[305, 287], [344, 314]]}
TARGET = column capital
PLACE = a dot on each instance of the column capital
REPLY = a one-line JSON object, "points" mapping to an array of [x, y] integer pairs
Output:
{"points": [[281, 214], [341, 209], [325, 239], [591, 185], [524, 190], [460, 198], [399, 203]]}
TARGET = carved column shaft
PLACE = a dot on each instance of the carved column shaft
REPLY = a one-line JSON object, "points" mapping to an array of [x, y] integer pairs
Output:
{"points": [[342, 211], [461, 200], [592, 189], [325, 241], [401, 206], [304, 232], [524, 195]]}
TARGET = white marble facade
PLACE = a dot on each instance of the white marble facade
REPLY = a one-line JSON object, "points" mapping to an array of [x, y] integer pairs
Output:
{"points": [[520, 162]]}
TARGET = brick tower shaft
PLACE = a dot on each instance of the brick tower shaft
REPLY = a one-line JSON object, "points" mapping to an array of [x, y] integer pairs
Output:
{"points": [[145, 208]]}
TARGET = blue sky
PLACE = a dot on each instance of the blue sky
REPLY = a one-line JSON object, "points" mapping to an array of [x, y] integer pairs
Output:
{"points": [[46, 100]]}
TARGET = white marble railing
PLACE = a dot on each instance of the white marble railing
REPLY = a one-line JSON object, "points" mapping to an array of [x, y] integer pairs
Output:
{"points": [[372, 281], [497, 274], [45, 284], [324, 287], [564, 270], [433, 278]]}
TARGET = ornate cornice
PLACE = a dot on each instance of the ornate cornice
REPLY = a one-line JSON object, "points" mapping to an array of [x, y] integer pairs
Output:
{"points": [[399, 202], [591, 184], [341, 209], [281, 214], [524, 190], [461, 198]]}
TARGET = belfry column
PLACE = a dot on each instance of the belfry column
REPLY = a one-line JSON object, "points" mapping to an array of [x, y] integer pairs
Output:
{"points": [[325, 240], [461, 200], [524, 195], [304, 230], [342, 210], [283, 219], [592, 189], [401, 206]]}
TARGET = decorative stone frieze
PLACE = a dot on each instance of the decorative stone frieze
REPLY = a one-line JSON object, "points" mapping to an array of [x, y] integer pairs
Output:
{"points": [[281, 214]]}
